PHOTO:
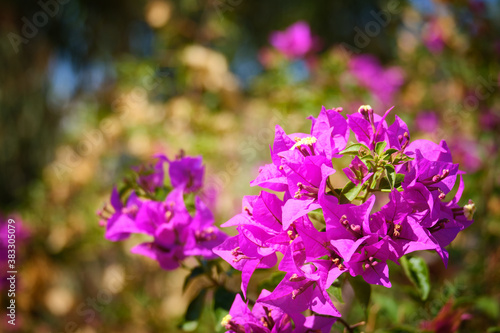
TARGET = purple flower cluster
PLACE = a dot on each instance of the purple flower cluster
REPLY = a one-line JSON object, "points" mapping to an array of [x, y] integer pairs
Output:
{"points": [[382, 82], [323, 231], [271, 319], [176, 233], [296, 41]]}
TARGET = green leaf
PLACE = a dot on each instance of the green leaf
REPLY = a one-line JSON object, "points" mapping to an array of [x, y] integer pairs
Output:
{"points": [[406, 158], [399, 179], [197, 271], [161, 193], [488, 306], [391, 174], [417, 272], [317, 215], [388, 153], [379, 147], [384, 184], [271, 282], [376, 177], [335, 290], [223, 298], [194, 311], [367, 158], [351, 191], [189, 326], [362, 291], [353, 149]]}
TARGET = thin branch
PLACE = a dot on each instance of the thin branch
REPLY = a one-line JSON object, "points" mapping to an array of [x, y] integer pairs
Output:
{"points": [[348, 328]]}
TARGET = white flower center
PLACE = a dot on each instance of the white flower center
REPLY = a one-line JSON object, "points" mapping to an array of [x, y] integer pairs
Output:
{"points": [[308, 141]]}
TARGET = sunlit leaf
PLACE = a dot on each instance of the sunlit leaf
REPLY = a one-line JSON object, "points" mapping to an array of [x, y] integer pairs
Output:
{"points": [[351, 191], [417, 272], [354, 149], [379, 147]]}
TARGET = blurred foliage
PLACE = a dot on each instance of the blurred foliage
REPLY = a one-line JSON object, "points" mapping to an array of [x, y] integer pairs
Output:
{"points": [[103, 85]]}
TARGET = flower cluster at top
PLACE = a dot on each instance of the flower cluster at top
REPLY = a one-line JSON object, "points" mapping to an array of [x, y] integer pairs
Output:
{"points": [[323, 231], [146, 208]]}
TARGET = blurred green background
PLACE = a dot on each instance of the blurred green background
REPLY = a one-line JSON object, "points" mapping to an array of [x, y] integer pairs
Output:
{"points": [[90, 88]]}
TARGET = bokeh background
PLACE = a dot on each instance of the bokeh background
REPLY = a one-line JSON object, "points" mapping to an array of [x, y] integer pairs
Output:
{"points": [[90, 88]]}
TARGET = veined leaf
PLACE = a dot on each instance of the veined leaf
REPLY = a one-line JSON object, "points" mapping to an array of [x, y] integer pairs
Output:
{"points": [[391, 174], [353, 149], [379, 147], [417, 272], [351, 191]]}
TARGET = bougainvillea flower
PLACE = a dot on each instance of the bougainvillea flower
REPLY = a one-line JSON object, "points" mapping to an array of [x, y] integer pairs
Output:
{"points": [[296, 41], [240, 319], [357, 172], [430, 150], [371, 263], [382, 82], [368, 127], [261, 319], [433, 37], [448, 320], [203, 236], [398, 134], [331, 131], [271, 177], [187, 172], [318, 324], [427, 122], [243, 254], [152, 176], [167, 223], [122, 222], [324, 230], [297, 292], [403, 234], [347, 221]]}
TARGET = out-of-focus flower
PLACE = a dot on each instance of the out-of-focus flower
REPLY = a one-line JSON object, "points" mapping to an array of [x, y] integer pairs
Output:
{"points": [[427, 122], [489, 119], [158, 13], [296, 41], [467, 153], [151, 176], [448, 320], [176, 234], [382, 82], [187, 172], [210, 69], [433, 37]]}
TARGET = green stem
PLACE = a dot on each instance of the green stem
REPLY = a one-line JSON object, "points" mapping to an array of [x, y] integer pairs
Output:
{"points": [[343, 322], [330, 186]]}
